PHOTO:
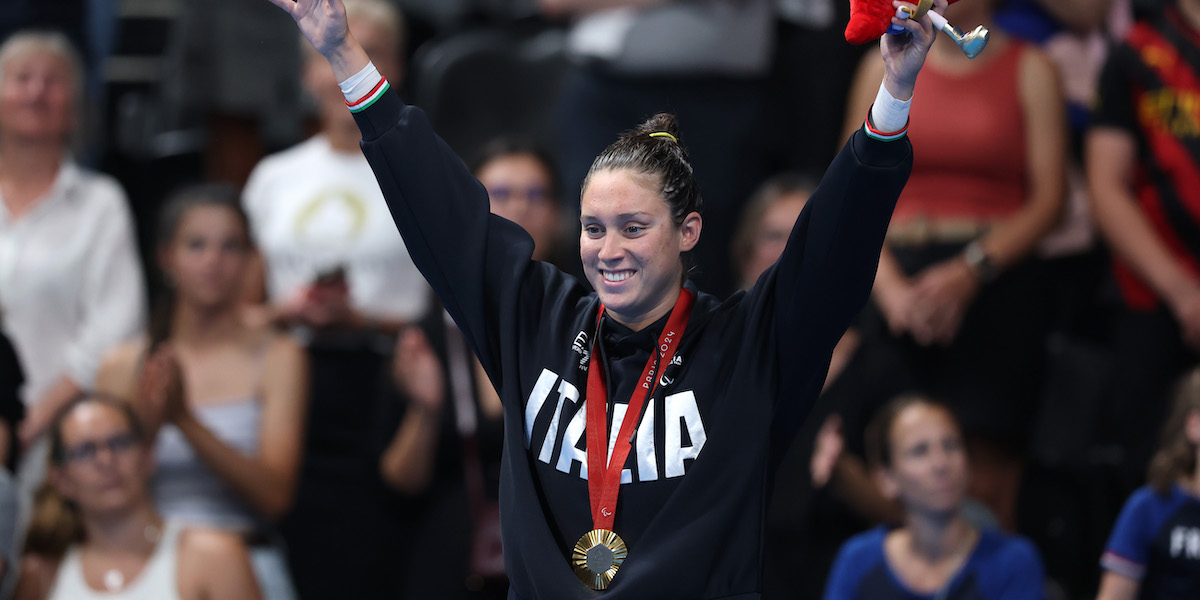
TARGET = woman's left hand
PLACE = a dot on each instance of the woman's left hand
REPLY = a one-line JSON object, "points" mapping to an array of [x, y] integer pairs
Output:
{"points": [[903, 54], [160, 391], [942, 294]]}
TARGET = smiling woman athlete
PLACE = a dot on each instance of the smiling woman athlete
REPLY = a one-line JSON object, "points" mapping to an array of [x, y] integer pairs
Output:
{"points": [[642, 420]]}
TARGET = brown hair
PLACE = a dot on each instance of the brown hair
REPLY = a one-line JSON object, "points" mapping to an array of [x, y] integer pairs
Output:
{"points": [[646, 151], [878, 437], [55, 524], [763, 198], [1176, 455]]}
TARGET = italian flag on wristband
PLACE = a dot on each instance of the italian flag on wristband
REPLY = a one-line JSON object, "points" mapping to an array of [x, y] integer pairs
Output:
{"points": [[870, 130], [366, 101]]}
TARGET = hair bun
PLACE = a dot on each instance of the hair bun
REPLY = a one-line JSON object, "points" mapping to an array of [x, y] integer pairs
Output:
{"points": [[660, 123]]}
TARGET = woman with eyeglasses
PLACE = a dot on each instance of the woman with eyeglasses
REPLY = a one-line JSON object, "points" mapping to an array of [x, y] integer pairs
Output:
{"points": [[522, 184], [226, 400], [120, 547]]}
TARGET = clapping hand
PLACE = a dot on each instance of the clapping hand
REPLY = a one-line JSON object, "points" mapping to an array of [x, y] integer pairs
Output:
{"points": [[161, 397]]}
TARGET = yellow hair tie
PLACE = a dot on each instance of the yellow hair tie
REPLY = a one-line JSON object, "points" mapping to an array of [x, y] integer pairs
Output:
{"points": [[666, 135]]}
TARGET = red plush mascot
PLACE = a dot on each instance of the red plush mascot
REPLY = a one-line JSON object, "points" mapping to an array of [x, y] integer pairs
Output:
{"points": [[870, 19]]}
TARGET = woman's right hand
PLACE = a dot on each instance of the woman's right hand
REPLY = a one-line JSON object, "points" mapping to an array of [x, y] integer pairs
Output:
{"points": [[322, 22]]}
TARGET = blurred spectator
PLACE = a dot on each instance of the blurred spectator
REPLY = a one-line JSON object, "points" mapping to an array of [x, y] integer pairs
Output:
{"points": [[70, 282], [332, 256], [1074, 35], [230, 398], [1143, 159], [766, 223], [89, 24], [12, 411], [705, 61], [111, 543], [522, 183], [334, 267], [918, 457], [445, 456], [956, 297], [1153, 550]]}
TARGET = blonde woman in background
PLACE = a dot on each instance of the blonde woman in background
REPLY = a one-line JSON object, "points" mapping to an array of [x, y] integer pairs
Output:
{"points": [[70, 279]]}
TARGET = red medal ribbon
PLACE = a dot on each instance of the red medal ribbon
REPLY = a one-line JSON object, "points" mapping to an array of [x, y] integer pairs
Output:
{"points": [[604, 481]]}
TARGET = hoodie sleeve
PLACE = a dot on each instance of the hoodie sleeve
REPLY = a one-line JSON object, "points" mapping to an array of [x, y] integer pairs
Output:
{"points": [[476, 262], [826, 271]]}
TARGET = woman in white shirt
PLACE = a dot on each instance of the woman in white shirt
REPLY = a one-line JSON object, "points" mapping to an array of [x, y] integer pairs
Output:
{"points": [[118, 546], [70, 282], [332, 258]]}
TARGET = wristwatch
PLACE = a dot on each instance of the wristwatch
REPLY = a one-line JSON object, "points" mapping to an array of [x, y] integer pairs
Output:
{"points": [[979, 262]]}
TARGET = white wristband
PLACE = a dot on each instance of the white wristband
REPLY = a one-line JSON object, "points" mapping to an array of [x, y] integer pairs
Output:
{"points": [[889, 114], [361, 83]]}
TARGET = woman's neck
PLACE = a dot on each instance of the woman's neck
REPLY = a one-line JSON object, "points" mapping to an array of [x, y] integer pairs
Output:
{"points": [[134, 531], [650, 317], [197, 328], [27, 172], [936, 538]]}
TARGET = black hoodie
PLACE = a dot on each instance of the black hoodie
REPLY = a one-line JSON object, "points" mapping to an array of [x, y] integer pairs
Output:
{"points": [[746, 374]]}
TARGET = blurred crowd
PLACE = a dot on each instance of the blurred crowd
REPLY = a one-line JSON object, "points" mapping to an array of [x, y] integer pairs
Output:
{"points": [[216, 356]]}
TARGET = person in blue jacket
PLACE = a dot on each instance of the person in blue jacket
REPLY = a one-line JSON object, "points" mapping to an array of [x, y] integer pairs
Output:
{"points": [[1154, 549], [642, 420], [915, 447]]}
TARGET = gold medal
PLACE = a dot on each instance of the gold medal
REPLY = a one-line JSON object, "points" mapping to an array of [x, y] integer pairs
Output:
{"points": [[597, 556]]}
